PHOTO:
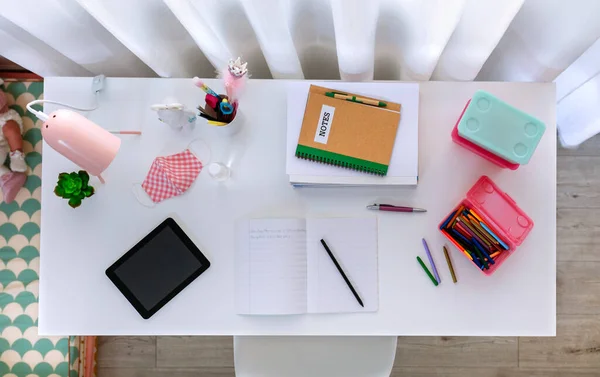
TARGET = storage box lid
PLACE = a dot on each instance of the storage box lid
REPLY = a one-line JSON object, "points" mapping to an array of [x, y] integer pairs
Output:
{"points": [[500, 128], [497, 205]]}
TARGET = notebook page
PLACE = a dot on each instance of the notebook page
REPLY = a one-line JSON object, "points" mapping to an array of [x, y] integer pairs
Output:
{"points": [[353, 242], [271, 266]]}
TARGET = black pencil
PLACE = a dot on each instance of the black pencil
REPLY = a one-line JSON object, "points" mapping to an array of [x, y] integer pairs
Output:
{"points": [[206, 116], [339, 268]]}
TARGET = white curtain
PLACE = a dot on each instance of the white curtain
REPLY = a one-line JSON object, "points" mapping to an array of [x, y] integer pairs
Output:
{"points": [[489, 40]]}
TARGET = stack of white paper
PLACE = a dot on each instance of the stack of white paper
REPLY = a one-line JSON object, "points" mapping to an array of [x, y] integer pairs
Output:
{"points": [[404, 164]]}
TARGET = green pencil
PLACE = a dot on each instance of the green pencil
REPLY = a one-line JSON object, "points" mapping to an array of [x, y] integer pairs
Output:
{"points": [[427, 271], [366, 101]]}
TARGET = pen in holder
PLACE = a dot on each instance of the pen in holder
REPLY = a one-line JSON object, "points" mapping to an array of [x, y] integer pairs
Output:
{"points": [[222, 110], [219, 111]]}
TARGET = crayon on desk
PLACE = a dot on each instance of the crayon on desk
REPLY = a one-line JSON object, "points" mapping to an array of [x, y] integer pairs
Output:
{"points": [[427, 271], [449, 262], [437, 276]]}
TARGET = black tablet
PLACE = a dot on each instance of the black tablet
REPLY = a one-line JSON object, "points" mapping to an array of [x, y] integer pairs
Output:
{"points": [[160, 266]]}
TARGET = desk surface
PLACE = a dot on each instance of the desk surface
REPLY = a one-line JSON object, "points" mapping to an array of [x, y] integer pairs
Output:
{"points": [[78, 245]]}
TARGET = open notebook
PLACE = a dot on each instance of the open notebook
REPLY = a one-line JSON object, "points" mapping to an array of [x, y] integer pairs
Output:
{"points": [[282, 268]]}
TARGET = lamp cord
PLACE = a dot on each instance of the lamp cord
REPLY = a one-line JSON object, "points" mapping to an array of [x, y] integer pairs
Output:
{"points": [[43, 116]]}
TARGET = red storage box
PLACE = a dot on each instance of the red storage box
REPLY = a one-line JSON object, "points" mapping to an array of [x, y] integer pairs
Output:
{"points": [[498, 212], [477, 149]]}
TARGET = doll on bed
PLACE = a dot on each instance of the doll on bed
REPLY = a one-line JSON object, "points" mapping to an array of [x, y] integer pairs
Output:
{"points": [[11, 145]]}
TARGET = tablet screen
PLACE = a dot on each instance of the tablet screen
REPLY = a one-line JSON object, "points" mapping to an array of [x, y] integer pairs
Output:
{"points": [[158, 267]]}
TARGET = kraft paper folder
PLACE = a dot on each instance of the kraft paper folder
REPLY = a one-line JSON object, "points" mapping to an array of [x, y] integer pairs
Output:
{"points": [[348, 134]]}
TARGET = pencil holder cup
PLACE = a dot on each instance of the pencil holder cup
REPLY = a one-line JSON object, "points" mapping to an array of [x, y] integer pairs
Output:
{"points": [[487, 226], [497, 131], [232, 127]]}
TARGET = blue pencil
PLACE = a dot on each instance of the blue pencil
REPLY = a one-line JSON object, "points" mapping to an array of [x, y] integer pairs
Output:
{"points": [[477, 263], [482, 250], [435, 273], [462, 238], [447, 220], [495, 236]]}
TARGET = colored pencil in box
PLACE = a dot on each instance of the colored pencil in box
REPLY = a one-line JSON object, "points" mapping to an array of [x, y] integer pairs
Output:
{"points": [[448, 220], [505, 246], [458, 212], [468, 248], [477, 224], [475, 215], [459, 247], [474, 233], [485, 254], [487, 229]]}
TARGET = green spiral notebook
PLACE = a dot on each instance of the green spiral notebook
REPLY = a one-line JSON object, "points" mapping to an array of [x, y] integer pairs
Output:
{"points": [[348, 134]]}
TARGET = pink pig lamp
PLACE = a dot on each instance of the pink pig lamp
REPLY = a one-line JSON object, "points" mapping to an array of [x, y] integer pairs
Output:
{"points": [[79, 139]]}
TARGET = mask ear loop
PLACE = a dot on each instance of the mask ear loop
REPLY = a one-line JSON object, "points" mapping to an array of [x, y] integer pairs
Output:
{"points": [[141, 195], [201, 150]]}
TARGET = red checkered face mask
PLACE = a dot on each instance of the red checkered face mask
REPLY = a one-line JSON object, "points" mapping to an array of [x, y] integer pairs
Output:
{"points": [[171, 175]]}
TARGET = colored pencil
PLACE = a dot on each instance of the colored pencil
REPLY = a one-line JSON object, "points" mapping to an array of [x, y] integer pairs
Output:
{"points": [[480, 257], [485, 254], [447, 221], [458, 245], [477, 225], [458, 212], [427, 271], [475, 215], [437, 276], [449, 262], [477, 263], [477, 235], [505, 246], [462, 230], [217, 123]]}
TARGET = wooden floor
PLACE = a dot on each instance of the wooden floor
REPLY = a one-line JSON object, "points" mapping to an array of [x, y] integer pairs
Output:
{"points": [[574, 352]]}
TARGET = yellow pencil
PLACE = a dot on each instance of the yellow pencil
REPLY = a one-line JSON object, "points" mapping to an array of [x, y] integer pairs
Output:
{"points": [[449, 264], [474, 214], [215, 123]]}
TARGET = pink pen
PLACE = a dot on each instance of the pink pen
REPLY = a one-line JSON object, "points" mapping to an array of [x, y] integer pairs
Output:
{"points": [[392, 208]]}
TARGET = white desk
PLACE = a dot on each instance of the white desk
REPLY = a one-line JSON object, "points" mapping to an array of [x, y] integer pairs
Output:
{"points": [[78, 245]]}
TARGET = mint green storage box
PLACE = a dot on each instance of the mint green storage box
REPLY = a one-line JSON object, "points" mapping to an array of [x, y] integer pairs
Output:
{"points": [[501, 128]]}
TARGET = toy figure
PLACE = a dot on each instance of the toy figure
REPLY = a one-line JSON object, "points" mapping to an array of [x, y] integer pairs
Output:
{"points": [[11, 144]]}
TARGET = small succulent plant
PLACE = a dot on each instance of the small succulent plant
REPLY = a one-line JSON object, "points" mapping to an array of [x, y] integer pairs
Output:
{"points": [[74, 187]]}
